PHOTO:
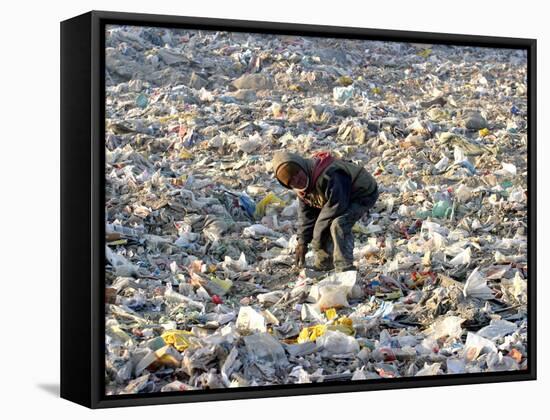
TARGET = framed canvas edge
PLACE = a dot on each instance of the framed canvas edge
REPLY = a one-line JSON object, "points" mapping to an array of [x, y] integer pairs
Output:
{"points": [[98, 20], [77, 312]]}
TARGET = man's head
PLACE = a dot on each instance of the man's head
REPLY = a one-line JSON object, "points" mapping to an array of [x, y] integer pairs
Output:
{"points": [[291, 175], [291, 170]]}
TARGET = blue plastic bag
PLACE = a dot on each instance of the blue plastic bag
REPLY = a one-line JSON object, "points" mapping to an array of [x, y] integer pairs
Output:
{"points": [[247, 204]]}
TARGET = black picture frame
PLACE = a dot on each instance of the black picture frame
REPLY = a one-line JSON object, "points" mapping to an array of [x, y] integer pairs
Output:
{"points": [[82, 207]]}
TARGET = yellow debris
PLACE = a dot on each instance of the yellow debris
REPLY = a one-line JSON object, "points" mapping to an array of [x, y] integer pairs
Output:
{"points": [[344, 325], [345, 322], [266, 201], [311, 333], [178, 338], [225, 285], [331, 314], [484, 132], [169, 360]]}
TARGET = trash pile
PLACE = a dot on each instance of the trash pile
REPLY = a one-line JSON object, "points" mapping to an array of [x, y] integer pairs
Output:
{"points": [[201, 291]]}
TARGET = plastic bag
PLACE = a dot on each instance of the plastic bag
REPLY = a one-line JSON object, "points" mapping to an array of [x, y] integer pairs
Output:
{"points": [[175, 297], [333, 291], [258, 231], [311, 312], [235, 265], [336, 342], [266, 201], [455, 366], [265, 350], [249, 320], [121, 265], [497, 362], [332, 296], [463, 258], [178, 338], [342, 94], [476, 286], [216, 286], [463, 193], [442, 164], [498, 328], [247, 204], [449, 326], [429, 370], [477, 345], [271, 297]]}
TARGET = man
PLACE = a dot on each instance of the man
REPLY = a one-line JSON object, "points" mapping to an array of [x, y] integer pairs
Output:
{"points": [[333, 194]]}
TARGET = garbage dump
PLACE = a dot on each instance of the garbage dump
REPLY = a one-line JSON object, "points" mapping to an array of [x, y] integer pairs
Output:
{"points": [[201, 290]]}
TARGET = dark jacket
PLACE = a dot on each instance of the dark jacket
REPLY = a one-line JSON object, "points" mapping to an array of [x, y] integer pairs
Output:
{"points": [[341, 183], [336, 186]]}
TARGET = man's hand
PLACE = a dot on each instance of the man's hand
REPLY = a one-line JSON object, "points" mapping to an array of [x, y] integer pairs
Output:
{"points": [[301, 250]]}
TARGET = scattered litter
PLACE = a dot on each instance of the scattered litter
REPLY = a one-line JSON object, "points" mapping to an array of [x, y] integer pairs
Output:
{"points": [[179, 339], [265, 350], [249, 321], [476, 286], [338, 343], [201, 288], [447, 327], [429, 370], [477, 345], [333, 291], [498, 328]]}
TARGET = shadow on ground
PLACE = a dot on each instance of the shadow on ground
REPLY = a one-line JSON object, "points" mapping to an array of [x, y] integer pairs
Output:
{"points": [[52, 389]]}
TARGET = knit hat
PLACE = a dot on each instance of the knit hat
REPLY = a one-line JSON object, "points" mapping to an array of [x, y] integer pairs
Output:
{"points": [[285, 166], [286, 172]]}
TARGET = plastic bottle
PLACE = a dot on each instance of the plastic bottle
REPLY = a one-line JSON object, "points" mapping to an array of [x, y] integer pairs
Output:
{"points": [[443, 205], [442, 209]]}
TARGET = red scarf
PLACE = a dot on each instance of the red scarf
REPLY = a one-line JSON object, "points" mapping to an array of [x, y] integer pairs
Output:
{"points": [[322, 160]]}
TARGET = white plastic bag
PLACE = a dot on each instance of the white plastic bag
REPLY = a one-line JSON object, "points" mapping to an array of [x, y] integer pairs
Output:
{"points": [[476, 286], [334, 290], [449, 326], [336, 342], [249, 321], [429, 370], [463, 258], [235, 265], [477, 345]]}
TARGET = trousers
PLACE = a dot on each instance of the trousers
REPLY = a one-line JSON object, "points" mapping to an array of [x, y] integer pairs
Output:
{"points": [[335, 249]]}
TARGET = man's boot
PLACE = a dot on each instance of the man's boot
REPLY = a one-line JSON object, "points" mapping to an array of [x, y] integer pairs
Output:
{"points": [[323, 261]]}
